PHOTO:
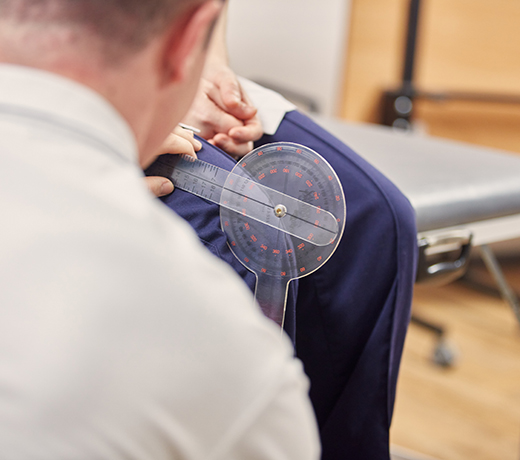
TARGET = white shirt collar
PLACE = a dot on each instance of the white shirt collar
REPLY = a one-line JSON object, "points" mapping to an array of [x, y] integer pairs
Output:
{"points": [[49, 96]]}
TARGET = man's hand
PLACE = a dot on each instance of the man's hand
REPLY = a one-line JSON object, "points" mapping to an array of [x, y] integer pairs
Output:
{"points": [[223, 112], [159, 186], [179, 141]]}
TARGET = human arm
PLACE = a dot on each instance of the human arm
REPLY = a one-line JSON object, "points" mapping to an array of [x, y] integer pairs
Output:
{"points": [[285, 429], [222, 109]]}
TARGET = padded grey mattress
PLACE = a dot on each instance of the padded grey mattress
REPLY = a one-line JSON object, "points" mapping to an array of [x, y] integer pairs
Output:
{"points": [[448, 183]]}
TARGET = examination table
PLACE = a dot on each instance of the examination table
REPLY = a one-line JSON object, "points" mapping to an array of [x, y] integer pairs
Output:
{"points": [[464, 196]]}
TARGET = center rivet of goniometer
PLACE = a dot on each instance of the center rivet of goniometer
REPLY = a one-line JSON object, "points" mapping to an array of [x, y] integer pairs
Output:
{"points": [[280, 210]]}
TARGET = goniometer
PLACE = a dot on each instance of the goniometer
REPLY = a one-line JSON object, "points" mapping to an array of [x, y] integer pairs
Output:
{"points": [[282, 208]]}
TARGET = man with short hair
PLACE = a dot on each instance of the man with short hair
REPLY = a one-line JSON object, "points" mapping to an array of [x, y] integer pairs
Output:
{"points": [[120, 336]]}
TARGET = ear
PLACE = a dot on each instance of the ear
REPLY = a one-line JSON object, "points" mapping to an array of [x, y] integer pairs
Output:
{"points": [[187, 41]]}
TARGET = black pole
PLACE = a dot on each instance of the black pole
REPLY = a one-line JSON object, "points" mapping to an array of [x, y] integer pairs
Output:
{"points": [[397, 105], [411, 42]]}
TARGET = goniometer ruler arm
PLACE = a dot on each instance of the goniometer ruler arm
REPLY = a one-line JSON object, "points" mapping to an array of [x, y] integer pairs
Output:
{"points": [[250, 198]]}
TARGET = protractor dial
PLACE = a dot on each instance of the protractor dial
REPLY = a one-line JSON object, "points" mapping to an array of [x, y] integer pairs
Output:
{"points": [[301, 175]]}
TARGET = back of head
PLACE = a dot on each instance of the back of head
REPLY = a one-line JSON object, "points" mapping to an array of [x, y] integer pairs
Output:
{"points": [[116, 27], [145, 57]]}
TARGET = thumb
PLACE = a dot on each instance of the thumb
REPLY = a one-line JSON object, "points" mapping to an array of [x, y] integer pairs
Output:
{"points": [[159, 186]]}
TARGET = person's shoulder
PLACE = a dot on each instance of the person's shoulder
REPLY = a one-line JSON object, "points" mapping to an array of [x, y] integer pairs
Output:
{"points": [[154, 258], [192, 311]]}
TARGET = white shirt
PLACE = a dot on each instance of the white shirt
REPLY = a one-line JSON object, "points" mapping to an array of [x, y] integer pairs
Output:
{"points": [[120, 335]]}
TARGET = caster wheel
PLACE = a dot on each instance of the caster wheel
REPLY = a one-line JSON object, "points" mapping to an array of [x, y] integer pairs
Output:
{"points": [[444, 355]]}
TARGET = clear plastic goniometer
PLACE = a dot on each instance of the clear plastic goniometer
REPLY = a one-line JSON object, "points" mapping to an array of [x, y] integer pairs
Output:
{"points": [[282, 208]]}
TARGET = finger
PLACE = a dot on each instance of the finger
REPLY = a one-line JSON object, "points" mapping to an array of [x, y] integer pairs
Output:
{"points": [[228, 96], [159, 186], [177, 144], [232, 98], [236, 103], [188, 135], [210, 118], [221, 121], [224, 98], [231, 147], [251, 131]]}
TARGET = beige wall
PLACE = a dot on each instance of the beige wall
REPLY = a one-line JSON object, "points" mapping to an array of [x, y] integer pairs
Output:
{"points": [[295, 45], [464, 45]]}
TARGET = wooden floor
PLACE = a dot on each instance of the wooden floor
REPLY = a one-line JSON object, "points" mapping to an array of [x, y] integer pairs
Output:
{"points": [[471, 411]]}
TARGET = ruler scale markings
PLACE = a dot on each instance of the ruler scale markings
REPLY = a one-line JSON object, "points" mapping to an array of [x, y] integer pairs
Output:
{"points": [[193, 175]]}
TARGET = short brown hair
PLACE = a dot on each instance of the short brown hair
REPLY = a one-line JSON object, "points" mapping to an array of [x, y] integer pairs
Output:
{"points": [[119, 23]]}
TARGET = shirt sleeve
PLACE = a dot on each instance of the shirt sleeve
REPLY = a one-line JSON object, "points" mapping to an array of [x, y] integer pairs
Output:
{"points": [[284, 429]]}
